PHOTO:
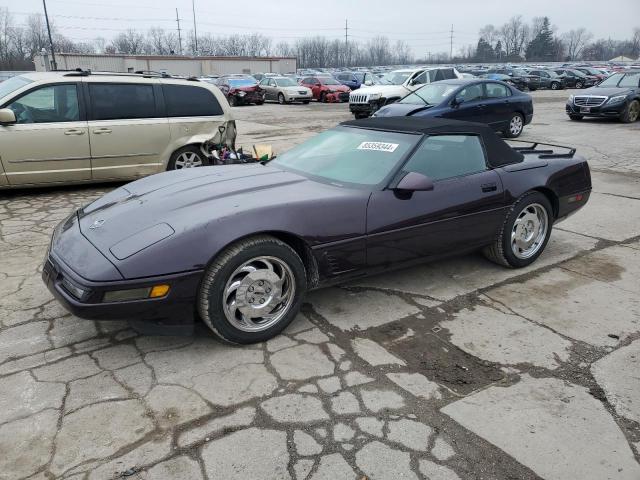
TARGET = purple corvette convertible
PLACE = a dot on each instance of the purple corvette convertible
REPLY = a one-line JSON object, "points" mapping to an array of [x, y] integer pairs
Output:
{"points": [[238, 246]]}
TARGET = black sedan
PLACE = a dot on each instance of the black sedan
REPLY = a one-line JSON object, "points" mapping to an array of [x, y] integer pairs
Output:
{"points": [[616, 97], [238, 246], [575, 78], [497, 104]]}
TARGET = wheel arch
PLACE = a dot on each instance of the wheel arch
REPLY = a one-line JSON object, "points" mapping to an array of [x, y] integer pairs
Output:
{"points": [[552, 197], [298, 244]]}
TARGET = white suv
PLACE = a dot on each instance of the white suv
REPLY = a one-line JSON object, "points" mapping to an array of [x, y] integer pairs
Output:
{"points": [[81, 126], [393, 86]]}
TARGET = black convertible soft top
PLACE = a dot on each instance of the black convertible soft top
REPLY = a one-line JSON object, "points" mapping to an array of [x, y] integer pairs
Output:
{"points": [[498, 152]]}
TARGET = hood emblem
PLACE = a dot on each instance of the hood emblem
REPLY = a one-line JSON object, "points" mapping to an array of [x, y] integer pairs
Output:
{"points": [[96, 224]]}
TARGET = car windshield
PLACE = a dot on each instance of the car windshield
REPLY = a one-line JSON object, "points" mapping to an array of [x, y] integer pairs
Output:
{"points": [[328, 81], [13, 84], [631, 80], [578, 73], [242, 82], [349, 155], [431, 94], [285, 82], [395, 78]]}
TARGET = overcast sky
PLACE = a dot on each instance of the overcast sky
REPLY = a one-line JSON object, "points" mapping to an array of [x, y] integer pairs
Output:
{"points": [[424, 24]]}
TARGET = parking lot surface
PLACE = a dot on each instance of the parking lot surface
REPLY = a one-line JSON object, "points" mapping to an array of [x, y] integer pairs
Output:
{"points": [[458, 369]]}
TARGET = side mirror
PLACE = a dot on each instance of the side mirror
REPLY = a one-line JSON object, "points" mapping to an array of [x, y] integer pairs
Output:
{"points": [[457, 101], [7, 116], [415, 182]]}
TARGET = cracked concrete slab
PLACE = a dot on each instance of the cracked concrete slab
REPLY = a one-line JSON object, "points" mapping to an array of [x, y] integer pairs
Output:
{"points": [[507, 339], [574, 305], [523, 418], [619, 376], [242, 455], [349, 310], [22, 396]]}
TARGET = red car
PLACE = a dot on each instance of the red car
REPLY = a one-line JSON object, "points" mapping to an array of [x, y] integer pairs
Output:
{"points": [[326, 89]]}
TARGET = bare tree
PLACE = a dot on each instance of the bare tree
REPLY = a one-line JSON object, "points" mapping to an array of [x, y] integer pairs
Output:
{"points": [[490, 34], [575, 41], [514, 35], [129, 42]]}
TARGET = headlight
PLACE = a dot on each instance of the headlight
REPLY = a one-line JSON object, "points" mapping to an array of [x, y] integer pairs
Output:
{"points": [[617, 99], [241, 94], [570, 98], [74, 289], [374, 96]]}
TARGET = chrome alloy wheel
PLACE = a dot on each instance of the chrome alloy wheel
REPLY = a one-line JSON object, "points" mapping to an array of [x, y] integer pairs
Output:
{"points": [[529, 231], [188, 160], [515, 126], [259, 294], [634, 111]]}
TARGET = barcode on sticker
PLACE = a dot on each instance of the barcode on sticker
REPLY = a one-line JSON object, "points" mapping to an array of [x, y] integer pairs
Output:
{"points": [[378, 146]]}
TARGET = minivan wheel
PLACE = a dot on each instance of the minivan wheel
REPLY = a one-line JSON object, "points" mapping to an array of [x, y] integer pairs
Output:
{"points": [[631, 113], [253, 290], [187, 157], [525, 232], [516, 125], [281, 99]]}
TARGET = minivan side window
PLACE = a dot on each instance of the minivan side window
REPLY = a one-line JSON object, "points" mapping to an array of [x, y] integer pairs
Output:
{"points": [[116, 101], [446, 156], [188, 101], [54, 103]]}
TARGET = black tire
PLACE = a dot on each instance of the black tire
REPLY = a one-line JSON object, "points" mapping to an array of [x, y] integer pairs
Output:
{"points": [[500, 250], [281, 99], [555, 86], [233, 101], [508, 132], [306, 102], [631, 113], [261, 102], [360, 115], [579, 85], [533, 89], [576, 117], [211, 295], [191, 149], [323, 97]]}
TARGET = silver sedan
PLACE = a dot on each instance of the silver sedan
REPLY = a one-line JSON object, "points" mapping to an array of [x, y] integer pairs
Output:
{"points": [[285, 90]]}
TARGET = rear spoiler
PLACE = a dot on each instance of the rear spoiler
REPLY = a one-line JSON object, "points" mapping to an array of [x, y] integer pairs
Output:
{"points": [[544, 153]]}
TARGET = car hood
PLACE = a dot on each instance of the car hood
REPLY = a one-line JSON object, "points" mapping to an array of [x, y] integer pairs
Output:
{"points": [[401, 109], [297, 89], [603, 91], [208, 203], [337, 88], [385, 90]]}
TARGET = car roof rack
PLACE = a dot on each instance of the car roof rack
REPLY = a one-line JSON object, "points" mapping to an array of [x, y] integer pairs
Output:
{"points": [[80, 72], [533, 148]]}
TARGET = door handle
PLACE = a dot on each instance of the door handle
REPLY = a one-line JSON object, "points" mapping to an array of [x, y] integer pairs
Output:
{"points": [[489, 187], [74, 131], [99, 131]]}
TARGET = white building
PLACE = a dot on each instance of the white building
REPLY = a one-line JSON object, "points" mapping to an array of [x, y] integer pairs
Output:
{"points": [[175, 65]]}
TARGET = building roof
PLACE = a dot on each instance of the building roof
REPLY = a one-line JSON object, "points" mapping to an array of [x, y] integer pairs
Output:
{"points": [[169, 57]]}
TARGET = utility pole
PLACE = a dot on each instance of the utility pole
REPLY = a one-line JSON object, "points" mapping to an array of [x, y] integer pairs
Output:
{"points": [[451, 45], [195, 31], [346, 42], [53, 54], [179, 35]]}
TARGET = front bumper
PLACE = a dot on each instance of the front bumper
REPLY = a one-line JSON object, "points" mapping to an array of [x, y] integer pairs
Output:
{"points": [[250, 98], [605, 111], [364, 108], [298, 97], [176, 308]]}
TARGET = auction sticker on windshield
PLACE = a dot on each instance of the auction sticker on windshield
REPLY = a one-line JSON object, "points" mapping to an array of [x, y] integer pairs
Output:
{"points": [[379, 146]]}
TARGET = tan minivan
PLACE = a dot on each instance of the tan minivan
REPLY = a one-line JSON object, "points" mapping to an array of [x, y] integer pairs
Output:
{"points": [[74, 127]]}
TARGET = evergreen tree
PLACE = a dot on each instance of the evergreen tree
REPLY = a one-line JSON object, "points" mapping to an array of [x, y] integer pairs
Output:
{"points": [[542, 47], [484, 51]]}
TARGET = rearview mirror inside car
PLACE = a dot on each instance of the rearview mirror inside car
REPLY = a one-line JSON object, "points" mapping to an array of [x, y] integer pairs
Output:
{"points": [[7, 116], [415, 182]]}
